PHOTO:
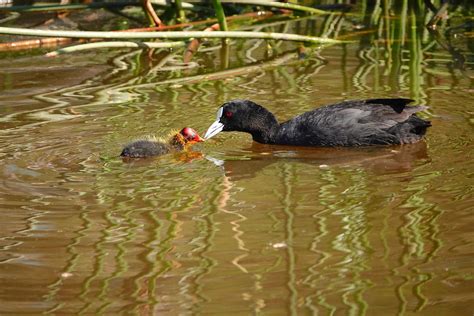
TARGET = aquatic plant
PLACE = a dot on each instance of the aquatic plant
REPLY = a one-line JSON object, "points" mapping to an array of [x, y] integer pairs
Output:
{"points": [[179, 8]]}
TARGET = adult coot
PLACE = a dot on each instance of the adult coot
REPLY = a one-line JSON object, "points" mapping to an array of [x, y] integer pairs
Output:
{"points": [[151, 147], [348, 123]]}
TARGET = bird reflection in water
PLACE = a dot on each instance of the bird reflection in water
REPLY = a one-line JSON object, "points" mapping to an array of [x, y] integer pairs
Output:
{"points": [[381, 160]]}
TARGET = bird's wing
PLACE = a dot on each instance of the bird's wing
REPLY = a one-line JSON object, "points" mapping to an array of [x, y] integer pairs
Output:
{"points": [[379, 113]]}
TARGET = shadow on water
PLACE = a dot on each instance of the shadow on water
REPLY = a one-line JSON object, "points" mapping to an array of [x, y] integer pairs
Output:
{"points": [[231, 225]]}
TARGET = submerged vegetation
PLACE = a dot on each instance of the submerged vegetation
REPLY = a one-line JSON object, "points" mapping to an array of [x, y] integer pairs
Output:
{"points": [[220, 29], [390, 32], [372, 14], [396, 38]]}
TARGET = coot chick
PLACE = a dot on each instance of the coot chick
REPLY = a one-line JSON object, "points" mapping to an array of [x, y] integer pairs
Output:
{"points": [[348, 123], [151, 147]]}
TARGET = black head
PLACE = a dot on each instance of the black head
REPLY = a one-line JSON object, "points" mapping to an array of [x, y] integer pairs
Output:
{"points": [[244, 116]]}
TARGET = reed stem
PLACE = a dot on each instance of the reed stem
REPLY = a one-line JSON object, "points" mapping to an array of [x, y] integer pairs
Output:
{"points": [[184, 5], [117, 44], [181, 16], [166, 35], [220, 15], [266, 3], [56, 7]]}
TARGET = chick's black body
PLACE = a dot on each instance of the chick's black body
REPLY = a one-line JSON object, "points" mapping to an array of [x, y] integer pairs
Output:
{"points": [[349, 123], [146, 148]]}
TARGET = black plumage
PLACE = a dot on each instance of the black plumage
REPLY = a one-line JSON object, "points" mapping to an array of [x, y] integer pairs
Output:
{"points": [[147, 148], [348, 123]]}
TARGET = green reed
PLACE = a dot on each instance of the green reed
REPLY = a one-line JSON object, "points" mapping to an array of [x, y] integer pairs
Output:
{"points": [[220, 15]]}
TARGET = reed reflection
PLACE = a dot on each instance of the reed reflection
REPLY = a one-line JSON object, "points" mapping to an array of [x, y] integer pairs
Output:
{"points": [[339, 220]]}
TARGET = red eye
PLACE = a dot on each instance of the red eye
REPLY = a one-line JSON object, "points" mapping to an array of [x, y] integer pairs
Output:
{"points": [[228, 114]]}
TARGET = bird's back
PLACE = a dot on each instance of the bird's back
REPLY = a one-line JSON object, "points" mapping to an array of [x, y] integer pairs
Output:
{"points": [[355, 123]]}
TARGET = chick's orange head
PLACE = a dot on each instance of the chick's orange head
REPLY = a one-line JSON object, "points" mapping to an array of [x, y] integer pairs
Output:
{"points": [[190, 135]]}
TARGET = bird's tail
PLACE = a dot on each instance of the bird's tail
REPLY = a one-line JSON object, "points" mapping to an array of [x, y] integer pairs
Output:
{"points": [[419, 125]]}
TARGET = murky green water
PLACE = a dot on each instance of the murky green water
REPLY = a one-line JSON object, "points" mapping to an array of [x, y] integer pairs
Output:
{"points": [[233, 226]]}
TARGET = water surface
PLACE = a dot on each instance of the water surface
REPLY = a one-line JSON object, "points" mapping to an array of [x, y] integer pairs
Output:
{"points": [[233, 226]]}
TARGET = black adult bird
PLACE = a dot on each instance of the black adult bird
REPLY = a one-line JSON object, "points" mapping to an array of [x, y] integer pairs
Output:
{"points": [[152, 147], [348, 123]]}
